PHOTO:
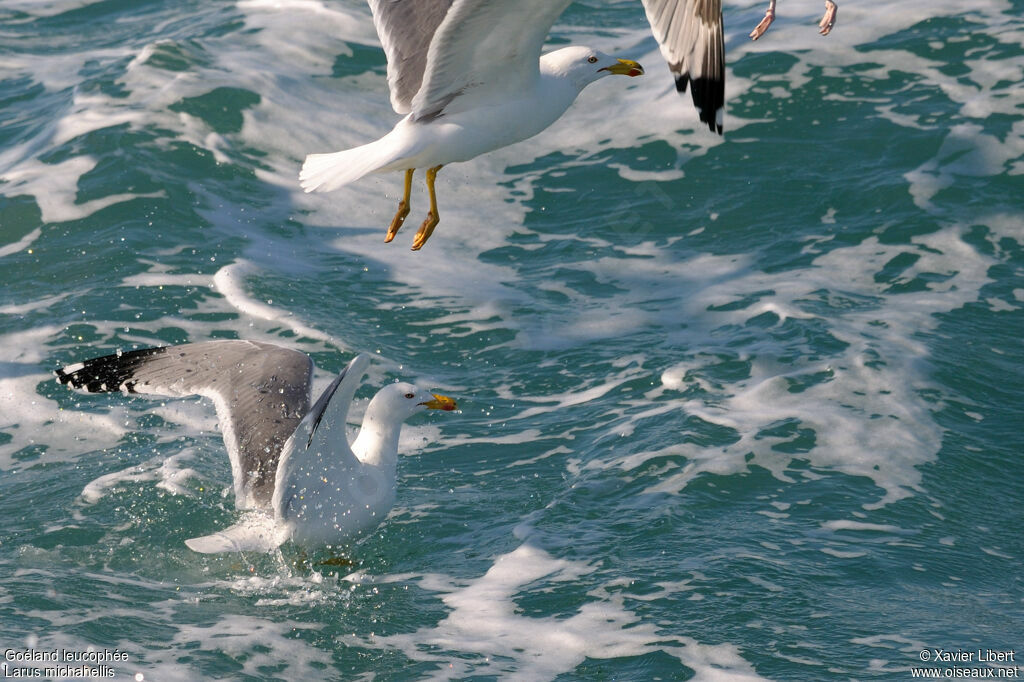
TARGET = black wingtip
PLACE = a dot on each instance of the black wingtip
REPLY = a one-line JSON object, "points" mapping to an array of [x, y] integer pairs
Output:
{"points": [[708, 97], [108, 373]]}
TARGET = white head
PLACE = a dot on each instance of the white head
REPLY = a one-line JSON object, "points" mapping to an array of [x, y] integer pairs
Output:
{"points": [[378, 438], [584, 65], [397, 402]]}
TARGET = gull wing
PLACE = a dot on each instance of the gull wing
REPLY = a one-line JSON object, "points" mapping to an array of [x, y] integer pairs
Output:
{"points": [[439, 50], [484, 47], [405, 29], [261, 393], [689, 33], [314, 447]]}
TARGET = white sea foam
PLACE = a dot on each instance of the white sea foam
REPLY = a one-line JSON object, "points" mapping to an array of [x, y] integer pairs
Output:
{"points": [[1000, 554], [845, 524], [21, 244], [867, 413], [30, 419], [47, 8], [840, 554], [30, 306], [229, 281], [254, 643], [966, 152], [168, 473], [493, 638], [55, 187]]}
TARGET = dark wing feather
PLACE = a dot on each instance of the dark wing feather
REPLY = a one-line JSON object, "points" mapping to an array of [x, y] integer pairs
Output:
{"points": [[261, 393], [690, 35]]}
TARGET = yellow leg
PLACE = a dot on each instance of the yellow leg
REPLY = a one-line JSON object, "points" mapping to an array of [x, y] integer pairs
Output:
{"points": [[403, 208], [427, 228]]}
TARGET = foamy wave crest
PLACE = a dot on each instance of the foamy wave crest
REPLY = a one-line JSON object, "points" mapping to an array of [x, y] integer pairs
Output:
{"points": [[484, 633], [862, 409]]}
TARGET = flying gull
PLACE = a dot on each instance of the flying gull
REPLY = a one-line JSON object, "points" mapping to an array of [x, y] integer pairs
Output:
{"points": [[470, 78], [290, 463]]}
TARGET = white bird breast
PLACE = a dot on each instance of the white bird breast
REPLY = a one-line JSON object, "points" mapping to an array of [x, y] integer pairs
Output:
{"points": [[465, 134], [329, 505], [327, 495]]}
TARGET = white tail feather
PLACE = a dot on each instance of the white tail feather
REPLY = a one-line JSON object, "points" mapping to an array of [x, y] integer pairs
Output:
{"points": [[256, 532], [327, 172]]}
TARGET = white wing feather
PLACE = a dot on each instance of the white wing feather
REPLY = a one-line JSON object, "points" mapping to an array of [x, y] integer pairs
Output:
{"points": [[405, 28], [297, 455], [446, 56], [484, 49]]}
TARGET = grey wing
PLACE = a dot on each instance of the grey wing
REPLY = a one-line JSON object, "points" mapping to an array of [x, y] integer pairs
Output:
{"points": [[690, 35], [261, 392], [405, 28], [484, 49]]}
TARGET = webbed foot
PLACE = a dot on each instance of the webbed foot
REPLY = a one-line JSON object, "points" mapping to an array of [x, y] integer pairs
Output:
{"points": [[426, 229], [396, 222], [829, 20]]}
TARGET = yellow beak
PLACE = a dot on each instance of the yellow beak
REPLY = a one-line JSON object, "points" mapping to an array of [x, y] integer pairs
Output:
{"points": [[625, 67], [440, 402]]}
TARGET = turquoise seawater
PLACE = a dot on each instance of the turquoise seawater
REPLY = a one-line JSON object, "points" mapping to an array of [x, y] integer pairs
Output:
{"points": [[731, 408]]}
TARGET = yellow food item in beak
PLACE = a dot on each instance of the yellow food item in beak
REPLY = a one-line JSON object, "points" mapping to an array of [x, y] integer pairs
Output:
{"points": [[440, 402], [625, 67]]}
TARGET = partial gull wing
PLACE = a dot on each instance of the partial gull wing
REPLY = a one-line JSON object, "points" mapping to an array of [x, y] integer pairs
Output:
{"points": [[440, 50], [261, 393], [689, 33], [301, 455], [484, 47], [405, 28]]}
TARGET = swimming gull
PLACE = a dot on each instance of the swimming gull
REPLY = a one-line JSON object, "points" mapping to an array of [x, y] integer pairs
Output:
{"points": [[826, 23], [290, 463], [470, 78]]}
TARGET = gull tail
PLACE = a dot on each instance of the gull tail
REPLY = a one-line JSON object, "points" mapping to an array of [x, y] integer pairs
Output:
{"points": [[327, 172], [256, 532]]}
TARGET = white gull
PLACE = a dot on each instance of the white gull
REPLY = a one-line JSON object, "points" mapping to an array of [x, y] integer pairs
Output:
{"points": [[470, 78], [291, 463]]}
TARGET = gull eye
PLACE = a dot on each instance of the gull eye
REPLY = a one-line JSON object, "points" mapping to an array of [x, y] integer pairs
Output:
{"points": [[410, 396], [592, 59]]}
